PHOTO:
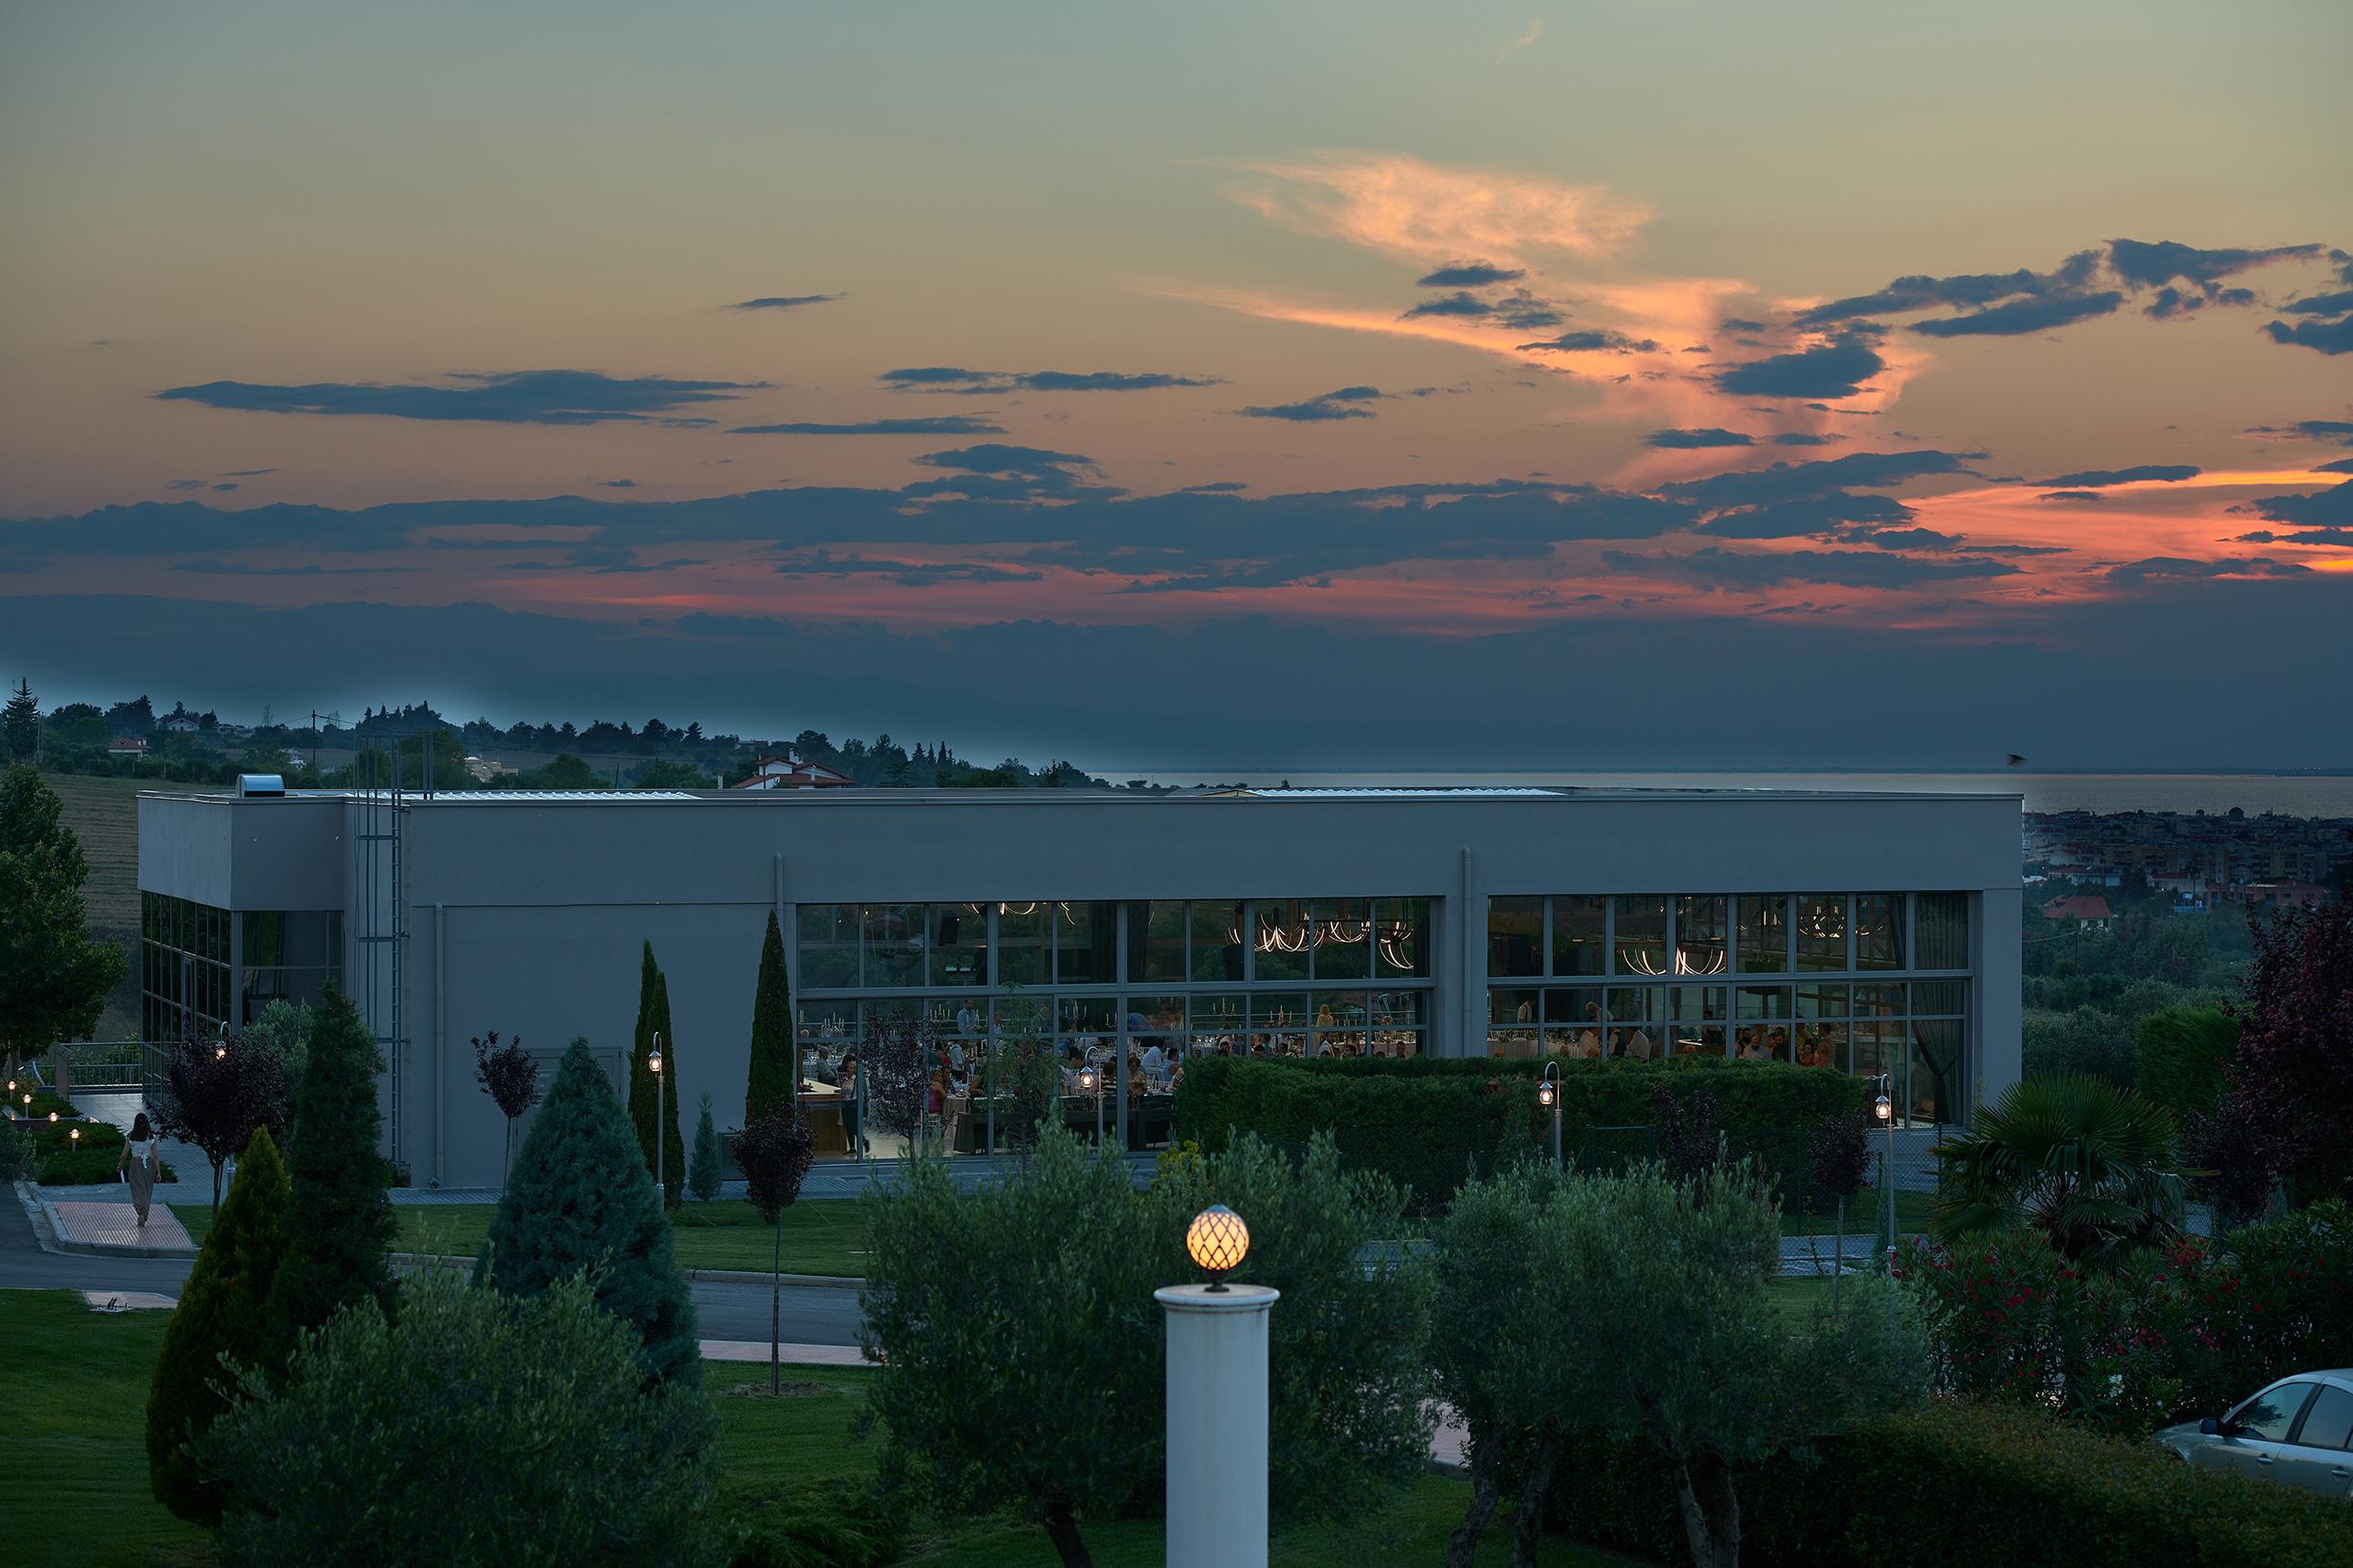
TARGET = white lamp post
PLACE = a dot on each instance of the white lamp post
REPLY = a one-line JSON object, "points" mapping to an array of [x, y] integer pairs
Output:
{"points": [[1090, 1082], [661, 1144], [1548, 1096], [1217, 1403]]}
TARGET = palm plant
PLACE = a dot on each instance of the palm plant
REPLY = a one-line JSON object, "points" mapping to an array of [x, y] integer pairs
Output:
{"points": [[2087, 1164]]}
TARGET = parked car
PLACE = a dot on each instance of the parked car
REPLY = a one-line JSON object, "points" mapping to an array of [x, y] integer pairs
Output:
{"points": [[2299, 1432]]}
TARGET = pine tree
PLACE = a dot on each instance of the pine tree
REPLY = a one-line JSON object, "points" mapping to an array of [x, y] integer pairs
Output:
{"points": [[703, 1174], [581, 1198], [654, 1096], [21, 724], [54, 975], [220, 1313], [339, 1224], [775, 1079]]}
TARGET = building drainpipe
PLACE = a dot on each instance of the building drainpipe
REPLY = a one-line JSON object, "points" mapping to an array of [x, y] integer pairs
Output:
{"points": [[440, 967], [1470, 961]]}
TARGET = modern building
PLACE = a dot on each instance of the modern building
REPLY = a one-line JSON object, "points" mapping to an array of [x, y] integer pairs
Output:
{"points": [[1858, 933], [793, 773]]}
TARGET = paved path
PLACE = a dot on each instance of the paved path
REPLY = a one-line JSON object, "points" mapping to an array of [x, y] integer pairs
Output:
{"points": [[116, 1223]]}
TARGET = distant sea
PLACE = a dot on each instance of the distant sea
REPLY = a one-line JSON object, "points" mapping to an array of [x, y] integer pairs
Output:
{"points": [[2294, 795]]}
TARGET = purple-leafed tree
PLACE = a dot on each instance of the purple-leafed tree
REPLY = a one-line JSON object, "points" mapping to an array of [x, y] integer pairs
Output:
{"points": [[216, 1094], [774, 1153], [895, 1060], [2288, 1110], [1837, 1158], [510, 1078]]}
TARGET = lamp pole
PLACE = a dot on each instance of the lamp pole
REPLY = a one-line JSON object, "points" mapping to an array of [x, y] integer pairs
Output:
{"points": [[1886, 1109], [1548, 1096], [1217, 1403], [661, 1148], [1090, 1079]]}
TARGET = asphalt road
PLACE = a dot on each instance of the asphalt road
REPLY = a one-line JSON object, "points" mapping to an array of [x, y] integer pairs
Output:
{"points": [[813, 1315]]}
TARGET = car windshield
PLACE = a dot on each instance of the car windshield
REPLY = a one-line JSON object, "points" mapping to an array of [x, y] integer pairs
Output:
{"points": [[2269, 1415]]}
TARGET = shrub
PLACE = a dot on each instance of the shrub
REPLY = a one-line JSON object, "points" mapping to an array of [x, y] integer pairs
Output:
{"points": [[339, 1224], [703, 1171], [1959, 1481], [1427, 1123], [2182, 1053], [770, 1078], [826, 1525], [582, 1198], [476, 1427], [220, 1320], [654, 1096]]}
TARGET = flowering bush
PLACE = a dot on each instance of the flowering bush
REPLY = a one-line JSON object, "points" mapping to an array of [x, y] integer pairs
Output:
{"points": [[2185, 1331]]}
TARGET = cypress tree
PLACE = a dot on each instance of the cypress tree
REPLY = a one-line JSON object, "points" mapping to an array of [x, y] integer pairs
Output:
{"points": [[338, 1220], [705, 1174], [221, 1312], [654, 1105], [581, 1198], [775, 1074]]}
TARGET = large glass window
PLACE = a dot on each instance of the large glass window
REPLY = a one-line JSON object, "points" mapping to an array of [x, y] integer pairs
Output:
{"points": [[1155, 941], [1640, 939], [1699, 936], [1087, 943], [1581, 935], [1024, 944], [959, 943], [185, 989], [1764, 933], [1821, 932], [1516, 936], [1401, 938], [1281, 939], [891, 945], [1940, 929], [1218, 951], [1879, 931], [829, 946], [1343, 938]]}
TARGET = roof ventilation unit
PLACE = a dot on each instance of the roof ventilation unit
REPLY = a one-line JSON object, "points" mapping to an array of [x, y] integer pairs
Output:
{"points": [[260, 786]]}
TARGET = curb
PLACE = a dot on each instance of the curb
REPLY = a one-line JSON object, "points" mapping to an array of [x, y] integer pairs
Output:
{"points": [[51, 1233]]}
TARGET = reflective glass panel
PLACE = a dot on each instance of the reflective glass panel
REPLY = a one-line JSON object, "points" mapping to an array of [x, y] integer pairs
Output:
{"points": [[1511, 1022], [1579, 934], [1281, 939], [1572, 1021], [828, 946], [1820, 931], [1155, 941], [1635, 1025], [1023, 956], [1515, 936], [1764, 933], [1400, 938], [1217, 942], [1940, 925], [1879, 931], [1699, 936], [1343, 938], [1818, 1044], [1087, 939], [1640, 938], [960, 944], [892, 944]]}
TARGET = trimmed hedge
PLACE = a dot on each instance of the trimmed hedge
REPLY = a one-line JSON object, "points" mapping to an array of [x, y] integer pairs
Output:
{"points": [[63, 1161], [1428, 1122], [1962, 1482]]}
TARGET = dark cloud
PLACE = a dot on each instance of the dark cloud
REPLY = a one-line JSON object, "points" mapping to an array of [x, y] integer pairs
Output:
{"points": [[907, 574], [1737, 323], [1823, 478], [1907, 538], [957, 379], [1457, 303], [1973, 290], [935, 376], [183, 484], [512, 397], [2337, 304], [1714, 566], [783, 301], [1593, 343], [1808, 517], [2343, 465], [1710, 436], [223, 489], [1835, 369], [228, 568], [2331, 338], [2092, 478], [1340, 403], [2166, 565], [2022, 316], [1519, 311], [2339, 431], [2076, 496], [945, 424], [246, 473], [1471, 275], [618, 484], [2329, 508], [2143, 263], [1800, 438]]}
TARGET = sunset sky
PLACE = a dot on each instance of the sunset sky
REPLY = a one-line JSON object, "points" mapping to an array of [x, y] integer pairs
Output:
{"points": [[1282, 385]]}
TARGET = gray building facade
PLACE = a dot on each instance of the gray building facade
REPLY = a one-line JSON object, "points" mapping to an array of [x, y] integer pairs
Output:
{"points": [[1861, 933]]}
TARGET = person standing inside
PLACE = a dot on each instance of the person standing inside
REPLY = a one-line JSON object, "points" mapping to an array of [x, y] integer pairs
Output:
{"points": [[140, 1160]]}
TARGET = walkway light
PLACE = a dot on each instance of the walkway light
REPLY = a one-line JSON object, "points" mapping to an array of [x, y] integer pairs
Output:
{"points": [[1218, 1242], [1548, 1096], [661, 1144], [52, 1117], [1087, 1080], [220, 1052], [1090, 1082], [76, 1135], [1886, 1112]]}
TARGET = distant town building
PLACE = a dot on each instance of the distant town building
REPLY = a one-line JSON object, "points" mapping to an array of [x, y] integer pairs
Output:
{"points": [[482, 769], [2085, 909], [790, 773], [233, 731], [180, 724], [126, 746]]}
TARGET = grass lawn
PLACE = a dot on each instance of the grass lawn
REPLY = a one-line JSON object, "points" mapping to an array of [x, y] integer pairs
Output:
{"points": [[821, 1235], [76, 1384], [1862, 1217]]}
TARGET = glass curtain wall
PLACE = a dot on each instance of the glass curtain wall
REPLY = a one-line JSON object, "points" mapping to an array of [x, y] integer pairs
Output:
{"points": [[1861, 982]]}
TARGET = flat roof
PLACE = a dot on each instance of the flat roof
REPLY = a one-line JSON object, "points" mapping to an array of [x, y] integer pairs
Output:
{"points": [[880, 795]]}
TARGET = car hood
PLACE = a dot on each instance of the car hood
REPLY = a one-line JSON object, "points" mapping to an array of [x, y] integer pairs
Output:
{"points": [[2180, 1432]]}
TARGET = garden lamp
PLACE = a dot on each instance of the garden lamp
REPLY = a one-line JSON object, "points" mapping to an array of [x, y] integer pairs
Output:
{"points": [[661, 1145], [1090, 1082], [1548, 1096], [1218, 1242]]}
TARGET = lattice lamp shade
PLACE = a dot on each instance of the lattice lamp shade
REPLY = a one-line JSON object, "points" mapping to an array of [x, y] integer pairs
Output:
{"points": [[1218, 1241]]}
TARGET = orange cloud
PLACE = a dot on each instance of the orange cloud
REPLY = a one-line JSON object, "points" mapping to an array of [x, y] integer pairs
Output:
{"points": [[1420, 212]]}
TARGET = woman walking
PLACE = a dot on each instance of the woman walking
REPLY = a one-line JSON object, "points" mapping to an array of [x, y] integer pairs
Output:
{"points": [[140, 1157]]}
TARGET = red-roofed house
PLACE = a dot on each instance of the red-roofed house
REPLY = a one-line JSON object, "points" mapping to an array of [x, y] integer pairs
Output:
{"points": [[793, 774], [126, 746], [2085, 909]]}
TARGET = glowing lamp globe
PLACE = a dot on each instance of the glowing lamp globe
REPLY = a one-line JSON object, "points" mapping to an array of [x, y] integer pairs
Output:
{"points": [[75, 1134], [1547, 1095], [220, 1053], [1882, 1108], [1087, 1080], [1218, 1242], [653, 1063]]}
